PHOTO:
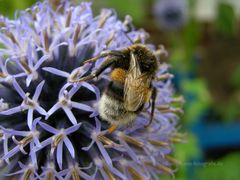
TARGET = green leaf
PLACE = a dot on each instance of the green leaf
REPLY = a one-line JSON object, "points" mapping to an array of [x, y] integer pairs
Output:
{"points": [[226, 19], [197, 98], [8, 8], [224, 169], [134, 8], [235, 77]]}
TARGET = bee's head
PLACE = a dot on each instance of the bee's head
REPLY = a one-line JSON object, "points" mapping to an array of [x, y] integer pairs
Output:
{"points": [[147, 60]]}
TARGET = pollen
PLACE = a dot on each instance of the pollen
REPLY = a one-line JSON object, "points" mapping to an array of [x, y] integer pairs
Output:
{"points": [[119, 75]]}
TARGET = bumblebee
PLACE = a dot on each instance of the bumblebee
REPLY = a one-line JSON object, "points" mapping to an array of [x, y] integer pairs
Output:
{"points": [[130, 88]]}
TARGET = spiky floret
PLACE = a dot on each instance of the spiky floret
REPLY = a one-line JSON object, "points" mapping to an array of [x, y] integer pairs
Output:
{"points": [[49, 128], [171, 14]]}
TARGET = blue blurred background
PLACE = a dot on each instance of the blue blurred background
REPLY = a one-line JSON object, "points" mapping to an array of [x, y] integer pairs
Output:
{"points": [[203, 41]]}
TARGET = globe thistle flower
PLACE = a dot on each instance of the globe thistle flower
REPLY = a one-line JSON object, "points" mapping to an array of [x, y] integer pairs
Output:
{"points": [[170, 14], [49, 127]]}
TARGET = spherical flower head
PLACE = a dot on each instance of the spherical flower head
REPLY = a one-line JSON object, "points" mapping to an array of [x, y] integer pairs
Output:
{"points": [[170, 14], [50, 127]]}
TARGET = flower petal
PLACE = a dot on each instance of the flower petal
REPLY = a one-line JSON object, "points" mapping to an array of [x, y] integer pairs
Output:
{"points": [[92, 88], [74, 90], [18, 89], [38, 91], [33, 154], [15, 132], [30, 118], [41, 111], [70, 115], [29, 79], [72, 129], [98, 125], [56, 72], [53, 109], [104, 153], [5, 148], [43, 144], [69, 146], [11, 153], [35, 122], [40, 61], [82, 106], [48, 128], [59, 154], [12, 110], [89, 146]]}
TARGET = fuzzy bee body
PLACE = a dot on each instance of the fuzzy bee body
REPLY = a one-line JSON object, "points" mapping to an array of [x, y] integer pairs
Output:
{"points": [[130, 87], [113, 111]]}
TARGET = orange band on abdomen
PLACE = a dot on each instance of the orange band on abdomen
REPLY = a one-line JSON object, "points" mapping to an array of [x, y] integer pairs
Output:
{"points": [[118, 74]]}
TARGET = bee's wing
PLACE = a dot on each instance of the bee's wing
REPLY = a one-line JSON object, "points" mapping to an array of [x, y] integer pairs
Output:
{"points": [[136, 87]]}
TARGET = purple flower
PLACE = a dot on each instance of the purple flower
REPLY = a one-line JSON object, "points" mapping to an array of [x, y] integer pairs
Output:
{"points": [[49, 127], [170, 14]]}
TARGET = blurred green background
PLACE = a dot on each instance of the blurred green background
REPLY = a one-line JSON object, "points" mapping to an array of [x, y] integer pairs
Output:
{"points": [[203, 41]]}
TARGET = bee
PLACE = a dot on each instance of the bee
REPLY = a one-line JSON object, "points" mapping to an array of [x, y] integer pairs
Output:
{"points": [[130, 87]]}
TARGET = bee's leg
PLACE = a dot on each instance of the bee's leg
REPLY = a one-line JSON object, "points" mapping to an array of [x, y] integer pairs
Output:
{"points": [[154, 96], [105, 54], [107, 63], [112, 129]]}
